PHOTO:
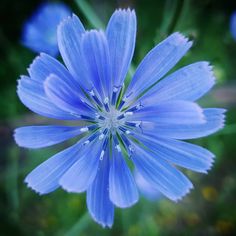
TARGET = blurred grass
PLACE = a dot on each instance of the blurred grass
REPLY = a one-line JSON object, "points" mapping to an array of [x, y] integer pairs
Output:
{"points": [[207, 210], [90, 14]]}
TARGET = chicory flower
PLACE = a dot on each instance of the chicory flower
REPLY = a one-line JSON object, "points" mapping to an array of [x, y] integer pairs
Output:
{"points": [[141, 125], [40, 31]]}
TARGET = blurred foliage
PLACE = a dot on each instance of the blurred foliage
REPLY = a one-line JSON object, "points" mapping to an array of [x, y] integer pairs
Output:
{"points": [[208, 210]]}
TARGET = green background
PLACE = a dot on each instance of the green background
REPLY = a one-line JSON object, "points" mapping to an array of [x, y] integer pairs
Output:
{"points": [[209, 209]]}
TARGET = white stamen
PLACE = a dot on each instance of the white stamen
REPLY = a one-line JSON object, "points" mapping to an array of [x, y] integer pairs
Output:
{"points": [[86, 142], [92, 93], [131, 148], [106, 100], [128, 113], [127, 132], [102, 155], [101, 136], [118, 148], [84, 129], [115, 90], [74, 114], [138, 106]]}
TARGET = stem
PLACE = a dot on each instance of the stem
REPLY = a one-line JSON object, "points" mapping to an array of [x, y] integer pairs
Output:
{"points": [[176, 16]]}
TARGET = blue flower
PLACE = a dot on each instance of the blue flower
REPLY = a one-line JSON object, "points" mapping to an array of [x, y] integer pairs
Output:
{"points": [[40, 31], [233, 25], [139, 126]]}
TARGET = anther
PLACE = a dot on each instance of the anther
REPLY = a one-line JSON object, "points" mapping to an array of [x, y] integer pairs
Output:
{"points": [[128, 113], [102, 155], [121, 117], [126, 141], [87, 118], [85, 129], [95, 98], [121, 104], [136, 108], [114, 95], [100, 117], [106, 101], [124, 130], [92, 93], [127, 144], [91, 138], [86, 142], [101, 136], [118, 148], [132, 124], [131, 148]]}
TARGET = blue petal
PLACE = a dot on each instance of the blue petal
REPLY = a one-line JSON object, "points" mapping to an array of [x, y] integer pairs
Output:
{"points": [[45, 178], [188, 83], [233, 25], [157, 63], [32, 95], [121, 34], [173, 113], [69, 36], [39, 32], [146, 189], [44, 136], [122, 188], [65, 96], [82, 173], [44, 65], [95, 51], [161, 175], [99, 205], [214, 121], [183, 154]]}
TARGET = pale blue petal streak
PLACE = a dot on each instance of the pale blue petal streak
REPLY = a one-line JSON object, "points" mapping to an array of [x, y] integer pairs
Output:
{"points": [[157, 63], [188, 83], [173, 112], [32, 95], [82, 173], [69, 42], [160, 174], [180, 153], [95, 51], [122, 187], [214, 121], [99, 205], [64, 96], [121, 35], [45, 178], [44, 136], [44, 65]]}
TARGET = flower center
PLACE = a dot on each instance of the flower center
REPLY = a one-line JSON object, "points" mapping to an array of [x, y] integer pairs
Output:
{"points": [[111, 119]]}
